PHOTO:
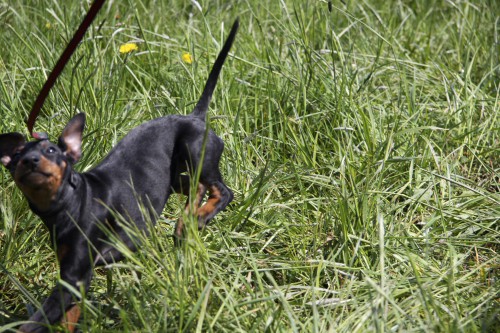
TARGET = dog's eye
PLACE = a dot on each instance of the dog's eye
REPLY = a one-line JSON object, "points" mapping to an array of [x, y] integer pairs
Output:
{"points": [[51, 150]]}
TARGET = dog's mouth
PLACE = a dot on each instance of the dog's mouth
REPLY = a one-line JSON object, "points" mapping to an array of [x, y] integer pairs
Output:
{"points": [[32, 177]]}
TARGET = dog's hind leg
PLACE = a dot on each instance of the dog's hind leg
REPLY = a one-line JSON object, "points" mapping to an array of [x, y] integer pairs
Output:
{"points": [[191, 207], [219, 197]]}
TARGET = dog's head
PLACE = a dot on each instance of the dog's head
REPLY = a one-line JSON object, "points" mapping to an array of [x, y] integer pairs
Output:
{"points": [[38, 167]]}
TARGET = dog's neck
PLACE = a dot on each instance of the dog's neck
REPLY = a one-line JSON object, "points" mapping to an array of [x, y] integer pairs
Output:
{"points": [[61, 205]]}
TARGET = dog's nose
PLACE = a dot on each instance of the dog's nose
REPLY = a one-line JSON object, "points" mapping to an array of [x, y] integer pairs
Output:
{"points": [[31, 160]]}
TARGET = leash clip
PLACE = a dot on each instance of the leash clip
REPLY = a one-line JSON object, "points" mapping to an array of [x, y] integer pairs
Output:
{"points": [[40, 135]]}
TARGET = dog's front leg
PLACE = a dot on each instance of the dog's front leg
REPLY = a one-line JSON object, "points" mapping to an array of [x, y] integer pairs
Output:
{"points": [[76, 271]]}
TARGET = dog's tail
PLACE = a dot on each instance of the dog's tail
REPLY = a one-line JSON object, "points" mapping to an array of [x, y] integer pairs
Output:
{"points": [[201, 107]]}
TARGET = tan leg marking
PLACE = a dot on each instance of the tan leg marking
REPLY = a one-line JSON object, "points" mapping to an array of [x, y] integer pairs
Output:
{"points": [[211, 204], [179, 227], [61, 252], [71, 318]]}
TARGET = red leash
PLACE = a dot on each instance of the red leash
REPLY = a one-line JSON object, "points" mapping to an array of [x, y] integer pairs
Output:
{"points": [[77, 37]]}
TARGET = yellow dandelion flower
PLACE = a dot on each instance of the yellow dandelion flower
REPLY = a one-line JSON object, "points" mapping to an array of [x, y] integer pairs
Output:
{"points": [[128, 47], [187, 58], [48, 25]]}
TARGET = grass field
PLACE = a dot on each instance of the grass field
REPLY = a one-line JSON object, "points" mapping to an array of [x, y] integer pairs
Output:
{"points": [[362, 142]]}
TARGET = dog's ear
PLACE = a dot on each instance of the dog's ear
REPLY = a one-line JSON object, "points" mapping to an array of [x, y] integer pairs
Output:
{"points": [[70, 140], [10, 144]]}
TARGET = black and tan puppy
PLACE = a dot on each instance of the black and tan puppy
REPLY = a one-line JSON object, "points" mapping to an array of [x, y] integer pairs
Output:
{"points": [[144, 168]]}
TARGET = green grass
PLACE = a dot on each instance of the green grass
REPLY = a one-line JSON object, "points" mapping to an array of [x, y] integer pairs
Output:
{"points": [[362, 146]]}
